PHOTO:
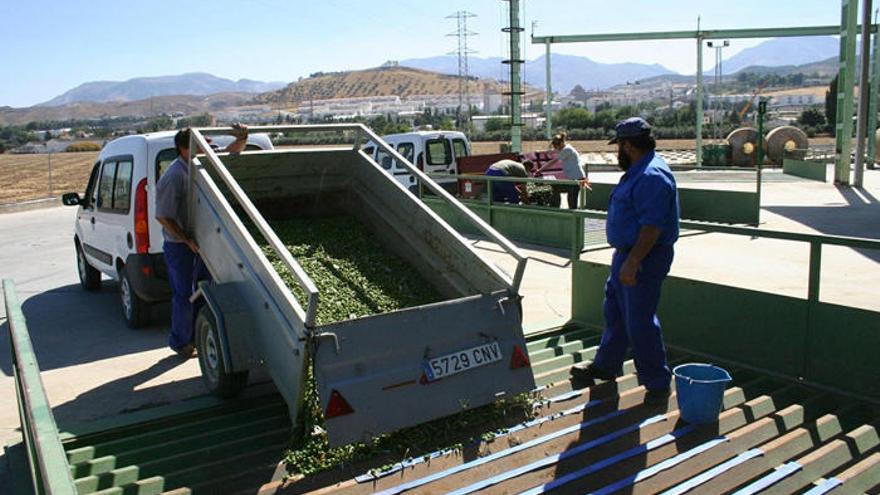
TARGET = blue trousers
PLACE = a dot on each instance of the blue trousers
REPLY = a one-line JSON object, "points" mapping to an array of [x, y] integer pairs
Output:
{"points": [[503, 192], [184, 269], [631, 320]]}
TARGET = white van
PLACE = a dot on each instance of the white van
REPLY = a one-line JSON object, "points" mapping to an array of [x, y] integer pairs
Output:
{"points": [[434, 152], [116, 230]]}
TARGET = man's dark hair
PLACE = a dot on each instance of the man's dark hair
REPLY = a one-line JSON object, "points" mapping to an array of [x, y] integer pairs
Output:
{"points": [[645, 142], [181, 139], [528, 165]]}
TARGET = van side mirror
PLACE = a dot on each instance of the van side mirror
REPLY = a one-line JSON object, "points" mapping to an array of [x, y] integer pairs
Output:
{"points": [[71, 199]]}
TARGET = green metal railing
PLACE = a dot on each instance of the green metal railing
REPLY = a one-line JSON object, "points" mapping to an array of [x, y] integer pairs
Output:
{"points": [[816, 241], [47, 461]]}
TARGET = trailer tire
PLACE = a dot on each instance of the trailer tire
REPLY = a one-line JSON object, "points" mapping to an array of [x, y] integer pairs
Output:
{"points": [[217, 379], [135, 310], [89, 276]]}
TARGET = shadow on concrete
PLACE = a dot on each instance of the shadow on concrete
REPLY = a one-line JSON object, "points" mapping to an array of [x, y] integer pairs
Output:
{"points": [[859, 219], [69, 326], [122, 395], [856, 196]]}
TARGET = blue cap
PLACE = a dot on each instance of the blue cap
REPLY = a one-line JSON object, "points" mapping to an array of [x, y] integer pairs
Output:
{"points": [[631, 127]]}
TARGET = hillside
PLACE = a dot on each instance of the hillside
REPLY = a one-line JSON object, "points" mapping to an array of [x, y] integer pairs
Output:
{"points": [[185, 104], [568, 70], [779, 52], [825, 68], [381, 81], [197, 83]]}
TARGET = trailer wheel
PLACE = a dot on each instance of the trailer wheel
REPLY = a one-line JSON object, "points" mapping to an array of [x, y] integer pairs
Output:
{"points": [[89, 276], [135, 310], [217, 379]]}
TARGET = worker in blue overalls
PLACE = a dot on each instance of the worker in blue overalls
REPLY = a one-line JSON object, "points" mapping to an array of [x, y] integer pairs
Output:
{"points": [[642, 226], [509, 192]]}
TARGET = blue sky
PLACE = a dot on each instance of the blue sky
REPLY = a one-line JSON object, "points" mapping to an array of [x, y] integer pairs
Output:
{"points": [[48, 47]]}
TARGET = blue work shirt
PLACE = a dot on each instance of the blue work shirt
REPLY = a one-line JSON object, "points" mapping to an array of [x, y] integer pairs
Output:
{"points": [[645, 195]]}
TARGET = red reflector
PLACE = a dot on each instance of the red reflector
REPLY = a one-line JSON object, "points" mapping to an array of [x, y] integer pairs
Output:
{"points": [[146, 270], [337, 406], [519, 359]]}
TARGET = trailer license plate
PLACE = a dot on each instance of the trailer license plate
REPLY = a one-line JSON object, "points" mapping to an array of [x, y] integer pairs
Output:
{"points": [[460, 361]]}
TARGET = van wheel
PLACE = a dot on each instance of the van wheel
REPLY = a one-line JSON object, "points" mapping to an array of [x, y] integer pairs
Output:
{"points": [[135, 310], [89, 277], [217, 379]]}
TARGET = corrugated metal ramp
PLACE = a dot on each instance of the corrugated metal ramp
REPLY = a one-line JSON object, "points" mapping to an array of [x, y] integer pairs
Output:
{"points": [[772, 437]]}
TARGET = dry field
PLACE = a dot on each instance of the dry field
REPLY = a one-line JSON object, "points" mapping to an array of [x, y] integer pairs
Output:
{"points": [[26, 177]]}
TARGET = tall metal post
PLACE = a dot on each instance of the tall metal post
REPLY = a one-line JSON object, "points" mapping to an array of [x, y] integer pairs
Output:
{"points": [[549, 110], [864, 93], [845, 81], [699, 102], [516, 92], [872, 101]]}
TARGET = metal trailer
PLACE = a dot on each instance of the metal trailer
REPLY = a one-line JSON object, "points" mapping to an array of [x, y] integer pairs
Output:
{"points": [[374, 374]]}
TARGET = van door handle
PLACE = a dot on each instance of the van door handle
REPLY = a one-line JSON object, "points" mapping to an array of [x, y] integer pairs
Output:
{"points": [[93, 220]]}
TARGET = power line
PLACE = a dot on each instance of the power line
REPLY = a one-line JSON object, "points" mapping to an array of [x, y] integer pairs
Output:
{"points": [[462, 33]]}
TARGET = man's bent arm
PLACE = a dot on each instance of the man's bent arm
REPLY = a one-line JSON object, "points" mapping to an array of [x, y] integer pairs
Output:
{"points": [[172, 226], [648, 236]]}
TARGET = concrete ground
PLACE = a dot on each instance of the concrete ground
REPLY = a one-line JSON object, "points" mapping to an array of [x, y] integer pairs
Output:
{"points": [[848, 276], [93, 366]]}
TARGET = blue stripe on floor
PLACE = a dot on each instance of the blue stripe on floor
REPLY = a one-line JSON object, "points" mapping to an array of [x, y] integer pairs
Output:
{"points": [[771, 479], [712, 473]]}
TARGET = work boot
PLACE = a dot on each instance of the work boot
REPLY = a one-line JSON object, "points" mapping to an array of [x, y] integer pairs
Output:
{"points": [[657, 397], [187, 351], [590, 373]]}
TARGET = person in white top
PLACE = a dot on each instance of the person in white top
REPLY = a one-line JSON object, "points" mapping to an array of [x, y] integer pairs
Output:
{"points": [[569, 158]]}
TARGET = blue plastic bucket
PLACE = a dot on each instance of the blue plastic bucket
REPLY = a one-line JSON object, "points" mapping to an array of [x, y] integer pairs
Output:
{"points": [[700, 390]]}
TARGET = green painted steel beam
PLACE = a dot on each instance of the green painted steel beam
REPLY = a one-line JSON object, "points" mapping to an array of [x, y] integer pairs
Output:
{"points": [[845, 82], [705, 34], [699, 101], [549, 110], [47, 458], [515, 61], [872, 102]]}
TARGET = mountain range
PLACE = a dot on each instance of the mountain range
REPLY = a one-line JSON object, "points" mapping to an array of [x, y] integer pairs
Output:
{"points": [[570, 70], [195, 84], [779, 52], [567, 70]]}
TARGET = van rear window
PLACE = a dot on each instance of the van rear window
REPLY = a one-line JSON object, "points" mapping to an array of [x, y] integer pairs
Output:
{"points": [[163, 160], [439, 152], [459, 147]]}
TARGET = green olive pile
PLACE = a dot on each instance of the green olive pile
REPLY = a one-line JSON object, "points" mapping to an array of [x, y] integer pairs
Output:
{"points": [[311, 453], [355, 275], [541, 195]]}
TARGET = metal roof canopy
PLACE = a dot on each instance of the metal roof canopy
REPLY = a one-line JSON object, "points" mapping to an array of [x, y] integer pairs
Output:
{"points": [[700, 35]]}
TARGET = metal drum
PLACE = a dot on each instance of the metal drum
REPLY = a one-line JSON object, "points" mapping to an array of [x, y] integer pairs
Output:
{"points": [[743, 147], [786, 142]]}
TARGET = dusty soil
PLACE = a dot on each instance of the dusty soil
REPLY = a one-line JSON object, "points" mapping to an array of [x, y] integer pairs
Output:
{"points": [[26, 177]]}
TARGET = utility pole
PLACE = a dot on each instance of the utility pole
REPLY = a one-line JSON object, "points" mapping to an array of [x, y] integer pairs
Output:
{"points": [[462, 33]]}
